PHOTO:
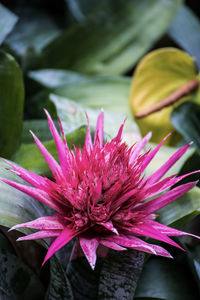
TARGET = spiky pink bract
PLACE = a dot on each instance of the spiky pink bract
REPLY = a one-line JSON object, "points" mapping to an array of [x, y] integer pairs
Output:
{"points": [[99, 195]]}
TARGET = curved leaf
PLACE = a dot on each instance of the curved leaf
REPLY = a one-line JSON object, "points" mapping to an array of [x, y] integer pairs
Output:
{"points": [[167, 280], [185, 23], [186, 120], [182, 211], [15, 206], [11, 104], [112, 38], [7, 22], [159, 74]]}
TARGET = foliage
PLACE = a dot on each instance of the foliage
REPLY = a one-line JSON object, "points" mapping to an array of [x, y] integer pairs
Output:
{"points": [[74, 56]]}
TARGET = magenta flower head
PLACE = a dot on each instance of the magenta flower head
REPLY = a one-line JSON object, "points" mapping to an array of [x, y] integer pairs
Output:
{"points": [[101, 196]]}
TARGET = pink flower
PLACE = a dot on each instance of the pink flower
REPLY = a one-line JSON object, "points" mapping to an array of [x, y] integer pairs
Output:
{"points": [[99, 195]]}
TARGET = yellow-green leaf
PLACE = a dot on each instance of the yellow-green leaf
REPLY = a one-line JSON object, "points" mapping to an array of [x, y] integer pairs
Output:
{"points": [[159, 74]]}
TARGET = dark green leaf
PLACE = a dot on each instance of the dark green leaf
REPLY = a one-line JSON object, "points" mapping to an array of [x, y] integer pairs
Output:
{"points": [[17, 281], [7, 22], [29, 157], [165, 279], [40, 129], [11, 104], [59, 286], [186, 120], [185, 32], [181, 211], [112, 38], [35, 29], [80, 8]]}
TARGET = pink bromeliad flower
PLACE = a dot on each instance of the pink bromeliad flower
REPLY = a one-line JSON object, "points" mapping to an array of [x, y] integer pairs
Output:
{"points": [[99, 195]]}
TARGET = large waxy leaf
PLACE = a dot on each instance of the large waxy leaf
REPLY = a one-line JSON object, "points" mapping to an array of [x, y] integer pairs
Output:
{"points": [[15, 206], [72, 114], [29, 157], [182, 210], [7, 22], [185, 23], [109, 92], [52, 78], [17, 281], [166, 280], [159, 74], [59, 286], [11, 104], [186, 120], [112, 38]]}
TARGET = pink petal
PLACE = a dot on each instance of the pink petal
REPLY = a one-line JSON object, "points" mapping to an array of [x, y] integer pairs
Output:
{"points": [[37, 194], [66, 235], [157, 175], [89, 247], [133, 243], [52, 163], [39, 235], [165, 184], [42, 223], [119, 135], [88, 139], [137, 149], [148, 231], [61, 147], [109, 225], [32, 178], [168, 230], [161, 251], [151, 155], [153, 205], [98, 137], [112, 245]]}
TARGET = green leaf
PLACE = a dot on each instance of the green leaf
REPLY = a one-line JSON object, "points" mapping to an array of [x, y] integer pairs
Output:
{"points": [[52, 78], [185, 32], [35, 29], [30, 158], [15, 206], [193, 256], [109, 92], [112, 38], [80, 9], [182, 210], [186, 120], [7, 22], [160, 73], [59, 286], [17, 281], [164, 279], [72, 115], [11, 104], [40, 129]]}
